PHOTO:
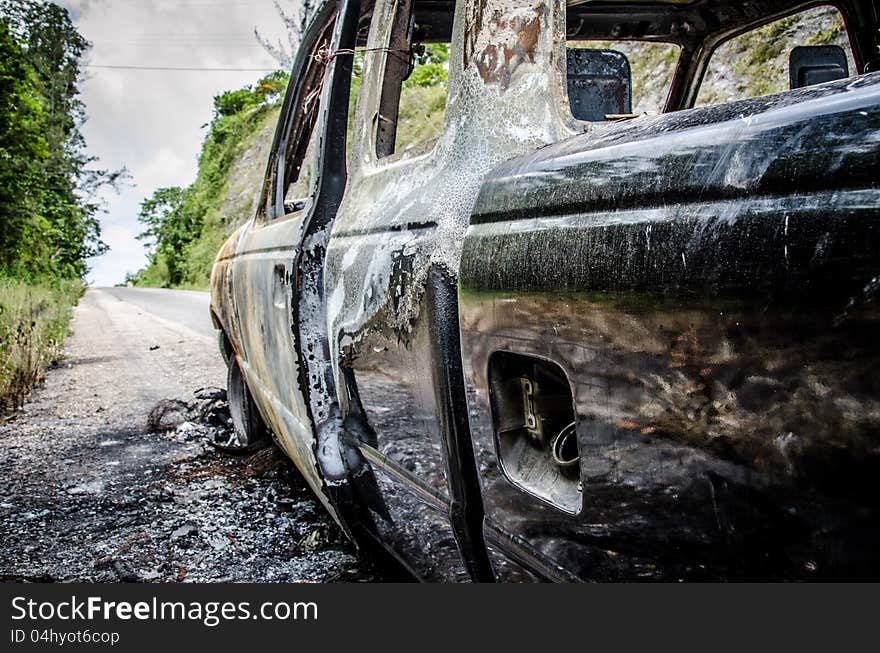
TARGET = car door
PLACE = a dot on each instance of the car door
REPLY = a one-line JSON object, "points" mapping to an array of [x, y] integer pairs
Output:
{"points": [[387, 373], [263, 271], [390, 274], [669, 335]]}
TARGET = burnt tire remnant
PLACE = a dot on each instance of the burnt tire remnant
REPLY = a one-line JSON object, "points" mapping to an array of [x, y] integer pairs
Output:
{"points": [[248, 432]]}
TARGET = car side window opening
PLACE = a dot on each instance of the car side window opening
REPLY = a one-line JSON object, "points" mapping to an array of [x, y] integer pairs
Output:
{"points": [[357, 73], [294, 175], [600, 72], [297, 195], [413, 99], [296, 161], [757, 62]]}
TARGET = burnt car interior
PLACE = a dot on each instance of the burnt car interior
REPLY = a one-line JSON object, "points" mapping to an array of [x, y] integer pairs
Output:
{"points": [[600, 82]]}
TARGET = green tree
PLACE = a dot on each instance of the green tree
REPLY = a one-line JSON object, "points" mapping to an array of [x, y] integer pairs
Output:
{"points": [[49, 186], [170, 227], [265, 91], [23, 151]]}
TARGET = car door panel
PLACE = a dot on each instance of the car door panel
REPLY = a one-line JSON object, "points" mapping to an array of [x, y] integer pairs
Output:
{"points": [[703, 286], [391, 301], [263, 289], [387, 375]]}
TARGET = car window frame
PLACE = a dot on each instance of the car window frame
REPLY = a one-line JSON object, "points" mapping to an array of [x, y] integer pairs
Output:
{"points": [[294, 131], [390, 88], [710, 53]]}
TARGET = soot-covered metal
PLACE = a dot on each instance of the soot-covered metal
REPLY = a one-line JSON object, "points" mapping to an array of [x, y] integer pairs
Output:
{"points": [[540, 348]]}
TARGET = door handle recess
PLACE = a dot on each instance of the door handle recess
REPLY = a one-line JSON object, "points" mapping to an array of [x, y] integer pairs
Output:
{"points": [[279, 295]]}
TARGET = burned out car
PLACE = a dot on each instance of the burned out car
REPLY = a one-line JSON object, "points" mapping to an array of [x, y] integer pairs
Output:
{"points": [[613, 319]]}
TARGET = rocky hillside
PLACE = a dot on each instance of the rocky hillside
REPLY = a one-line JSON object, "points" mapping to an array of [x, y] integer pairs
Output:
{"points": [[756, 63], [237, 199]]}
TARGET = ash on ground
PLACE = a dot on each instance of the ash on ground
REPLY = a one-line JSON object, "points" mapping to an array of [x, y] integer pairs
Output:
{"points": [[162, 504]]}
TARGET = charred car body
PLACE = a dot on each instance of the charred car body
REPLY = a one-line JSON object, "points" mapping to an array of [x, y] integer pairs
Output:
{"points": [[563, 340]]}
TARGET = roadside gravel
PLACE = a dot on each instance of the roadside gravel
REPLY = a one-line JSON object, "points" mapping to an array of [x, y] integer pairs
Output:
{"points": [[91, 494]]}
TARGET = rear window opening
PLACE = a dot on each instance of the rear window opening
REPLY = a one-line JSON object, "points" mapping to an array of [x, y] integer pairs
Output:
{"points": [[413, 101], [422, 106], [759, 61], [608, 80]]}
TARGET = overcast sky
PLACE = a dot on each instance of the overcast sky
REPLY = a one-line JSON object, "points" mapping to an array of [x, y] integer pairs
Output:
{"points": [[150, 121]]}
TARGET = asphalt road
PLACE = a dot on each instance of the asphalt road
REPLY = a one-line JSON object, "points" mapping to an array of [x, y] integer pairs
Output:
{"points": [[92, 493], [188, 308]]}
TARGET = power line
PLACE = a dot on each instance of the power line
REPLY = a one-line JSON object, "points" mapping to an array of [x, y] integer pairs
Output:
{"points": [[201, 46], [186, 68], [198, 3]]}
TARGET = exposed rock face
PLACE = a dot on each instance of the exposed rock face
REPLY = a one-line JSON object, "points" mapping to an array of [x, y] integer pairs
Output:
{"points": [[246, 174], [756, 63]]}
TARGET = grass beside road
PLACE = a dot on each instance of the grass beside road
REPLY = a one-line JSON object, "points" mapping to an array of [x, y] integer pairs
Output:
{"points": [[34, 320]]}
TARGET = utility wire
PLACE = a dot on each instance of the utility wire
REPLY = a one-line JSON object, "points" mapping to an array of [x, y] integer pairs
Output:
{"points": [[232, 70], [199, 3]]}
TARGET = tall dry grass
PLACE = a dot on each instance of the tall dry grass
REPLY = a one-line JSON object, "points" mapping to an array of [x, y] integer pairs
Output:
{"points": [[34, 320]]}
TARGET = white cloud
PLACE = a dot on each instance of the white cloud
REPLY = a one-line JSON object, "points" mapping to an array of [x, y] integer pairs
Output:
{"points": [[150, 121]]}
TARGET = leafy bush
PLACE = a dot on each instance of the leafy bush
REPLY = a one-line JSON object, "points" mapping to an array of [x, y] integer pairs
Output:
{"points": [[431, 67], [231, 102]]}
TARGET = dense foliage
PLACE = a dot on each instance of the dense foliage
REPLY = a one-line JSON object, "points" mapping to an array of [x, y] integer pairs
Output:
{"points": [[49, 221], [48, 211]]}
